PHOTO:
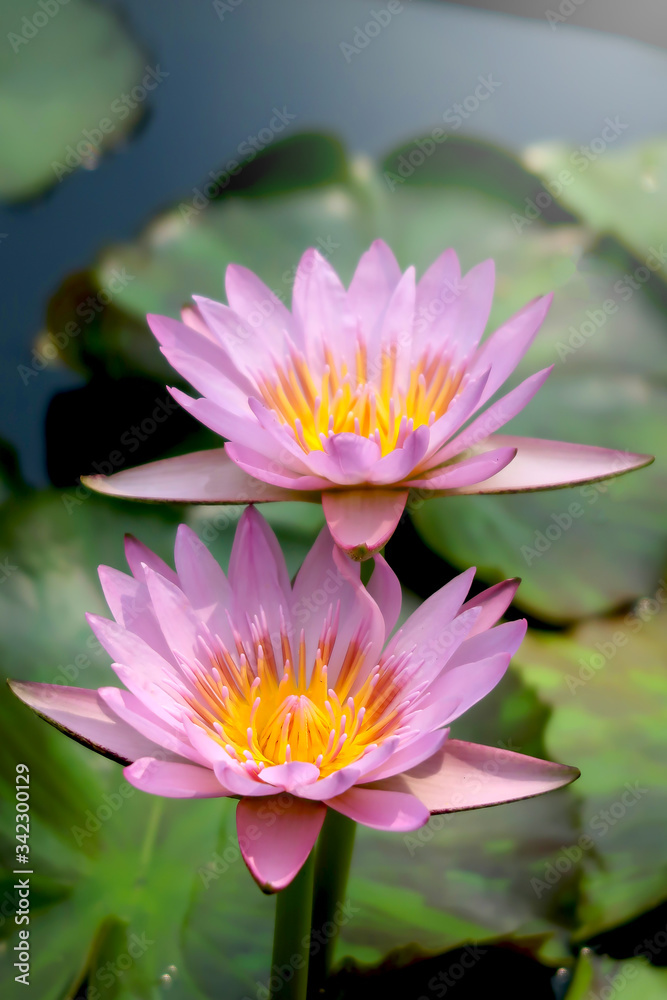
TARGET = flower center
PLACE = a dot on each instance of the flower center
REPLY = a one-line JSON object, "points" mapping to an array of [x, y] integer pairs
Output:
{"points": [[269, 709], [382, 401]]}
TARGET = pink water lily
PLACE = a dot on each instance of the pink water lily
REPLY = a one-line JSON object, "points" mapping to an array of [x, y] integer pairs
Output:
{"points": [[296, 699], [358, 397]]}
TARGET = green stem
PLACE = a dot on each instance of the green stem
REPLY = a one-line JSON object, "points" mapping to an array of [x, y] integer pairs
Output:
{"points": [[150, 836], [291, 937], [332, 867]]}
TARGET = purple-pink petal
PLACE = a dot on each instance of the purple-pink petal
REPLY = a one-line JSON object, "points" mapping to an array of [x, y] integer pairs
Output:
{"points": [[467, 472], [82, 715], [200, 477], [494, 602], [173, 780], [457, 689], [385, 589], [291, 775], [380, 809], [362, 521], [545, 465], [276, 838], [421, 748], [505, 348], [468, 776], [496, 416]]}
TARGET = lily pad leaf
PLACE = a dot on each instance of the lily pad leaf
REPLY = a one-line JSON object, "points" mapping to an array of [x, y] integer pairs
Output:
{"points": [[65, 74]]}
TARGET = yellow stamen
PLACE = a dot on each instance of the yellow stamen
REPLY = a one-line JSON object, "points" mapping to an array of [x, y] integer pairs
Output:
{"points": [[372, 402]]}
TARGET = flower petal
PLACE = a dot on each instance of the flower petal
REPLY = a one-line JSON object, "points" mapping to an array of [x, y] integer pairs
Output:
{"points": [[200, 477], [203, 360], [150, 724], [400, 462], [466, 472], [459, 326], [258, 306], [375, 278], [381, 810], [500, 413], [290, 775], [318, 301], [138, 555], [239, 781], [270, 470], [347, 459], [419, 749], [547, 465], [469, 776], [385, 589], [397, 323], [130, 605], [329, 582], [426, 625], [258, 577], [439, 283], [502, 639], [243, 428], [203, 582], [456, 690], [504, 349], [131, 649], [334, 784], [362, 521], [173, 780], [276, 839], [176, 617], [80, 714], [494, 602]]}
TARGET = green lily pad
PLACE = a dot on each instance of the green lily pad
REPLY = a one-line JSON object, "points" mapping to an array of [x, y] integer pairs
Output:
{"points": [[606, 685], [65, 74], [633, 978], [621, 192]]}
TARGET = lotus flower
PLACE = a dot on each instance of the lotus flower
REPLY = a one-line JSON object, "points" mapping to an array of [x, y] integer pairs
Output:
{"points": [[294, 699], [357, 397]]}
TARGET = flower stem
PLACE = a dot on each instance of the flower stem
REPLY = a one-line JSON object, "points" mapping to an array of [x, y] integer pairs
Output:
{"points": [[332, 866], [291, 946]]}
